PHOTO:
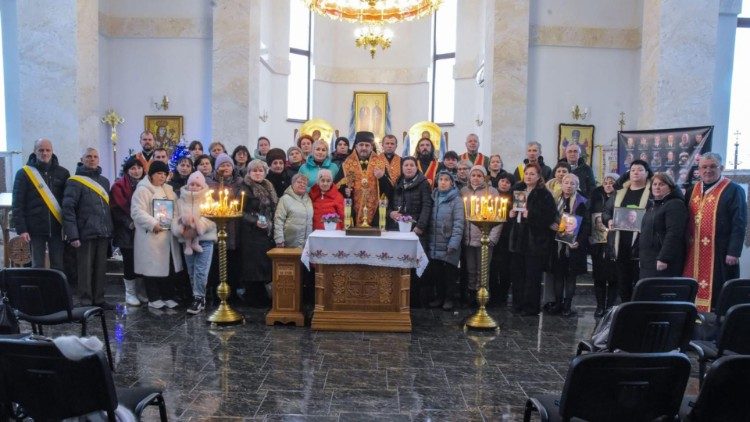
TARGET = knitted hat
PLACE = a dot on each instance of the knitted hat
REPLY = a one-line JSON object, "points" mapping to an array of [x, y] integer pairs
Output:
{"points": [[613, 176], [197, 177], [293, 148], [130, 162], [223, 158], [479, 168], [158, 166], [446, 173], [275, 154]]}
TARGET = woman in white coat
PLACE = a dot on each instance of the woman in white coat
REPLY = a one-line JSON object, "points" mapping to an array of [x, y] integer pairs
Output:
{"points": [[157, 252]]}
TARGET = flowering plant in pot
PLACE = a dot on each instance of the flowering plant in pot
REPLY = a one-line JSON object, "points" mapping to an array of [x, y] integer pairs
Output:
{"points": [[330, 220], [404, 223]]}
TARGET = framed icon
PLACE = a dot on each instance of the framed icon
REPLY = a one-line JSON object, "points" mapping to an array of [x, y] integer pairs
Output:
{"points": [[163, 211]]}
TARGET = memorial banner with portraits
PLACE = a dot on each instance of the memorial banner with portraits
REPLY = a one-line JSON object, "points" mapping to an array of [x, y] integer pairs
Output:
{"points": [[673, 151]]}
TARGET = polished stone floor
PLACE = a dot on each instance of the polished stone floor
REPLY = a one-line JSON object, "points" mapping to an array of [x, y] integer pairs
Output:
{"points": [[255, 372]]}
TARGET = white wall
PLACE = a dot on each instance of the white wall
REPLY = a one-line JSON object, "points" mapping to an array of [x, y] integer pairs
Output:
{"points": [[141, 71]]}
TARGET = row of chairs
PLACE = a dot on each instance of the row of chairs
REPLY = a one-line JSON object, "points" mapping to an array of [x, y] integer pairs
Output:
{"points": [[36, 380], [647, 377], [645, 387]]}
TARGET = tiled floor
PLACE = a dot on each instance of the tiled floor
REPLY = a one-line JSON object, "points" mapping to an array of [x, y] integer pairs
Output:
{"points": [[255, 372]]}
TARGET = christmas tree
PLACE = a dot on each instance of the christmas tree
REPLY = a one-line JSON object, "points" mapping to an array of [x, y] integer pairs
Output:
{"points": [[180, 150]]}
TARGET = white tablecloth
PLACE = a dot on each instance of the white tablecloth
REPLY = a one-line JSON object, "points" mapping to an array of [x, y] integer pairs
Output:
{"points": [[391, 249]]}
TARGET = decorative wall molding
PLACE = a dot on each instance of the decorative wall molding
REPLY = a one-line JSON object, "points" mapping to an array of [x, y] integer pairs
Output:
{"points": [[371, 76], [144, 27], [566, 36]]}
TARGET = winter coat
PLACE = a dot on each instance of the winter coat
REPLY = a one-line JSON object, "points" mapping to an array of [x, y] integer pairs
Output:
{"points": [[412, 198], [326, 203], [177, 182], [576, 257], [119, 205], [662, 236], [30, 213], [189, 205], [260, 200], [532, 236], [293, 220], [586, 179], [310, 169], [233, 185], [280, 181], [153, 250], [472, 233], [596, 205], [546, 170], [446, 227], [338, 159], [86, 215]]}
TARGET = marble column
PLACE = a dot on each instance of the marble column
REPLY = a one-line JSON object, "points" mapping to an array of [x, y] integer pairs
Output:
{"points": [[678, 60], [58, 47], [235, 72], [508, 48]]}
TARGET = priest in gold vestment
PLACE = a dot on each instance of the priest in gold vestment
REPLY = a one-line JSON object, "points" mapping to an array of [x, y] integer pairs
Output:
{"points": [[364, 178]]}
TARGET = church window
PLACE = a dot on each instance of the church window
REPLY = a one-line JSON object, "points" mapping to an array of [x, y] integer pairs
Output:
{"points": [[298, 88], [739, 107], [443, 60]]}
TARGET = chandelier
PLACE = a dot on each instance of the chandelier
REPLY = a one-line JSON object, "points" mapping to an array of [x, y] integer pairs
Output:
{"points": [[371, 37], [375, 12]]}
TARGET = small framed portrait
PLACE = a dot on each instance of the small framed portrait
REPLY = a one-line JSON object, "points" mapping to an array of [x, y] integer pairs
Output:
{"points": [[628, 219], [568, 228], [163, 211], [519, 200]]}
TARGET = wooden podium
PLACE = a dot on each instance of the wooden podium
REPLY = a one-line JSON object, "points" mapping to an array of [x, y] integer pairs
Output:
{"points": [[287, 287], [361, 298]]}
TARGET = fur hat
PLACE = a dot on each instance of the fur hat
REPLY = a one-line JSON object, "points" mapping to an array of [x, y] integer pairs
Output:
{"points": [[363, 137], [158, 166], [197, 177], [479, 168], [221, 159], [274, 154]]}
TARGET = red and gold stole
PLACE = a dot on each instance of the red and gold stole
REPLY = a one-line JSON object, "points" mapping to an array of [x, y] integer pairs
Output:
{"points": [[364, 184], [701, 229], [431, 171], [394, 168], [478, 160]]}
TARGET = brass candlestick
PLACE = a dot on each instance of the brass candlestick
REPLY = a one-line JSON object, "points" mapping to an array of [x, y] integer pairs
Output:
{"points": [[365, 209], [481, 319], [224, 314]]}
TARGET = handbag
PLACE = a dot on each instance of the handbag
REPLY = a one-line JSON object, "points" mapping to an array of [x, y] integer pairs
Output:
{"points": [[8, 319]]}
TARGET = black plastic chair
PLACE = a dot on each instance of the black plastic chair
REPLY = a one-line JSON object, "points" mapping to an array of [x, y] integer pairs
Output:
{"points": [[724, 396], [48, 386], [617, 387], [733, 292], [665, 289], [648, 327], [43, 297], [734, 338]]}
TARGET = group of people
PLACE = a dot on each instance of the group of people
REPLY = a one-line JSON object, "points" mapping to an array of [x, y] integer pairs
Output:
{"points": [[153, 215]]}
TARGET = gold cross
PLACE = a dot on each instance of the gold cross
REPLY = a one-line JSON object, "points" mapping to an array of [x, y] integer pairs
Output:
{"points": [[705, 241]]}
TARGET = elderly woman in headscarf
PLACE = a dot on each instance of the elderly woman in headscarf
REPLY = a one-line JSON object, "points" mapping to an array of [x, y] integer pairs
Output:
{"points": [[256, 230]]}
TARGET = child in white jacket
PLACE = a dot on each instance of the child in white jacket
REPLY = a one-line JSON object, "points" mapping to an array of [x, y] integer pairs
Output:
{"points": [[199, 234]]}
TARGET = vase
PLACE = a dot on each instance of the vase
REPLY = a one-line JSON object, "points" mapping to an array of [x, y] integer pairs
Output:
{"points": [[404, 227], [330, 226]]}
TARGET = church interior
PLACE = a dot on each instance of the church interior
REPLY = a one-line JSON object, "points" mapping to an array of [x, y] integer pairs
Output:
{"points": [[97, 73]]}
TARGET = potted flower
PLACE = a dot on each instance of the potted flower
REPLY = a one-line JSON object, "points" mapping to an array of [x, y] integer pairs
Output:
{"points": [[404, 223], [330, 221]]}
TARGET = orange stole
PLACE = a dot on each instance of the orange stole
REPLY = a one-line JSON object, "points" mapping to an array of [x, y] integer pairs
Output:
{"points": [[701, 229], [479, 161], [431, 171], [394, 168], [353, 177]]}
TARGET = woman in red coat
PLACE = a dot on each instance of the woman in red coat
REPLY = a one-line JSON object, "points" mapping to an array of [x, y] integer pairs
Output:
{"points": [[326, 200]]}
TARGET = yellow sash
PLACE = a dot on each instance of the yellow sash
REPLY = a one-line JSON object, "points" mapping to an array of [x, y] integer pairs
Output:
{"points": [[521, 168], [44, 192], [701, 229], [93, 185]]}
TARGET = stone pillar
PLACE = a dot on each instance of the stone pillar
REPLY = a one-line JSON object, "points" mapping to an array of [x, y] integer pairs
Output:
{"points": [[235, 70], [678, 60], [508, 48], [58, 47]]}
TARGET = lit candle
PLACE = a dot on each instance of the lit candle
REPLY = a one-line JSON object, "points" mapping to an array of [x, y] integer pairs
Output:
{"points": [[242, 202], [465, 211]]}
